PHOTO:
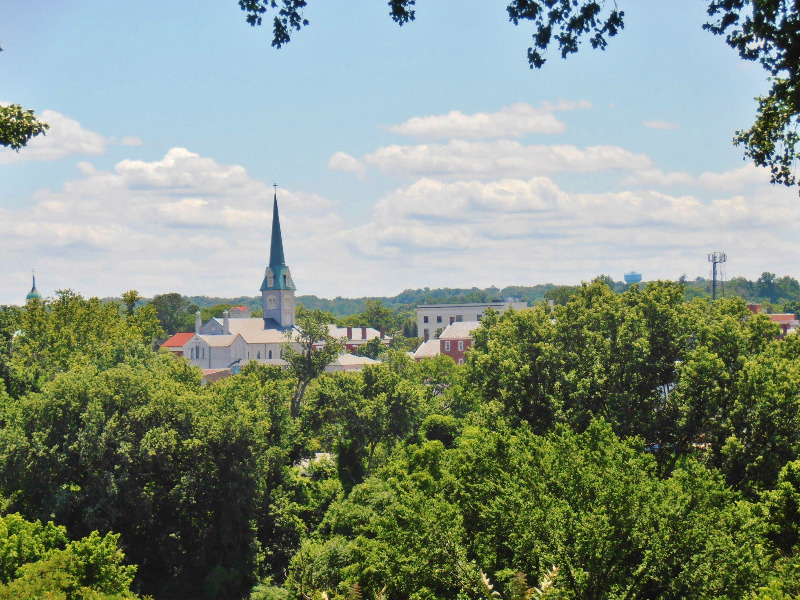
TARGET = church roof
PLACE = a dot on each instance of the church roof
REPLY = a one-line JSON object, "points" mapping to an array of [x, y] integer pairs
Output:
{"points": [[252, 331], [218, 341]]}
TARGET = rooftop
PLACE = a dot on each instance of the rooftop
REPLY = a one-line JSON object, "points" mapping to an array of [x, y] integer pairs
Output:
{"points": [[178, 340], [461, 330]]}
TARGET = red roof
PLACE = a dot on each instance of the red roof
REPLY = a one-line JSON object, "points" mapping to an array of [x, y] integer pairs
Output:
{"points": [[177, 341], [782, 318], [241, 307]]}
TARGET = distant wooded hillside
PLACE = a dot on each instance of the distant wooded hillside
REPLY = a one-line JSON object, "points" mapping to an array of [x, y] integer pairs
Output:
{"points": [[768, 289]]}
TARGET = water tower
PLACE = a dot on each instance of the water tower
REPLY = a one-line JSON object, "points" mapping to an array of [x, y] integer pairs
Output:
{"points": [[632, 277]]}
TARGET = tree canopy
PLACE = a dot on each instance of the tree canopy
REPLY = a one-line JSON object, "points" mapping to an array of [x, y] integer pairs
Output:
{"points": [[617, 445]]}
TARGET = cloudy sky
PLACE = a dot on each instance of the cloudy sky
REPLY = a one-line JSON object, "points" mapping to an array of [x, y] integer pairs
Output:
{"points": [[422, 155]]}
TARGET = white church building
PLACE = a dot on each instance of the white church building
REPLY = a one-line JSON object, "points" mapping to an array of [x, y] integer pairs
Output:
{"points": [[231, 341]]}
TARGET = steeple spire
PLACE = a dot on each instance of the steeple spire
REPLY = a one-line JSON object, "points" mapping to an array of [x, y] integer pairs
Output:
{"points": [[277, 289], [34, 293], [276, 247]]}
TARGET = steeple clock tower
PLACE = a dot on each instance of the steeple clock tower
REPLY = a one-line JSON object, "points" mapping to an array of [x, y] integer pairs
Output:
{"points": [[277, 289]]}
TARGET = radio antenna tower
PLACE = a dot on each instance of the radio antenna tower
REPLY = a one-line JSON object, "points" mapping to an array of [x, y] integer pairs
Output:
{"points": [[715, 258]]}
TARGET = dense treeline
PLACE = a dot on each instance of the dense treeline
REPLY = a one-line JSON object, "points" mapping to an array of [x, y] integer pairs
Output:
{"points": [[397, 315], [630, 444]]}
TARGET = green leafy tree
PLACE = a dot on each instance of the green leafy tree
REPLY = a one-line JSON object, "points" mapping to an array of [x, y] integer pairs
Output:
{"points": [[317, 349], [174, 312], [506, 501], [52, 335], [23, 542], [18, 126], [187, 474], [39, 562], [129, 300], [357, 413], [375, 315], [9, 324], [792, 307], [372, 349]]}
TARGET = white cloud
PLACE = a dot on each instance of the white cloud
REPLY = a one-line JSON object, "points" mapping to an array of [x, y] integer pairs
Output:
{"points": [[65, 137], [530, 231], [131, 140], [501, 158], [183, 222], [341, 161], [187, 223], [516, 120], [746, 177], [665, 125]]}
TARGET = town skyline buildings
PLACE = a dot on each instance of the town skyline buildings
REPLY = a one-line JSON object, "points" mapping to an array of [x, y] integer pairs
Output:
{"points": [[427, 155]]}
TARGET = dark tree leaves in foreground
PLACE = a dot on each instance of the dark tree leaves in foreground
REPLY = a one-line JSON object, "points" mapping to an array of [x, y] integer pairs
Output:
{"points": [[766, 31], [38, 561], [18, 125]]}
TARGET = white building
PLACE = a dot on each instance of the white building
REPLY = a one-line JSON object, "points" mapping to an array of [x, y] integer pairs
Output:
{"points": [[433, 318]]}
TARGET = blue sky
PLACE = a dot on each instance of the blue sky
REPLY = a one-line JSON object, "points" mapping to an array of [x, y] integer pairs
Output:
{"points": [[422, 155]]}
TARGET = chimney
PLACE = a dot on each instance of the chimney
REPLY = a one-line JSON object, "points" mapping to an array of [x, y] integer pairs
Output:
{"points": [[383, 333], [363, 333], [349, 333], [226, 326], [198, 322]]}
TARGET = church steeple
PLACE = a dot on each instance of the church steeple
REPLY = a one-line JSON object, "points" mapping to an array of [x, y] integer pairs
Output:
{"points": [[34, 293], [277, 289], [276, 247]]}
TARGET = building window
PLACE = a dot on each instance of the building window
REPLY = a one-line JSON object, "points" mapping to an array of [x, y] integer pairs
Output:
{"points": [[439, 318], [452, 320], [258, 355], [461, 345], [270, 354], [480, 316], [204, 352], [447, 346], [461, 361], [425, 334], [425, 319], [459, 318]]}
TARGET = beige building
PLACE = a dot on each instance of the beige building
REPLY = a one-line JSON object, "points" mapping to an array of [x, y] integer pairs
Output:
{"points": [[433, 318]]}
